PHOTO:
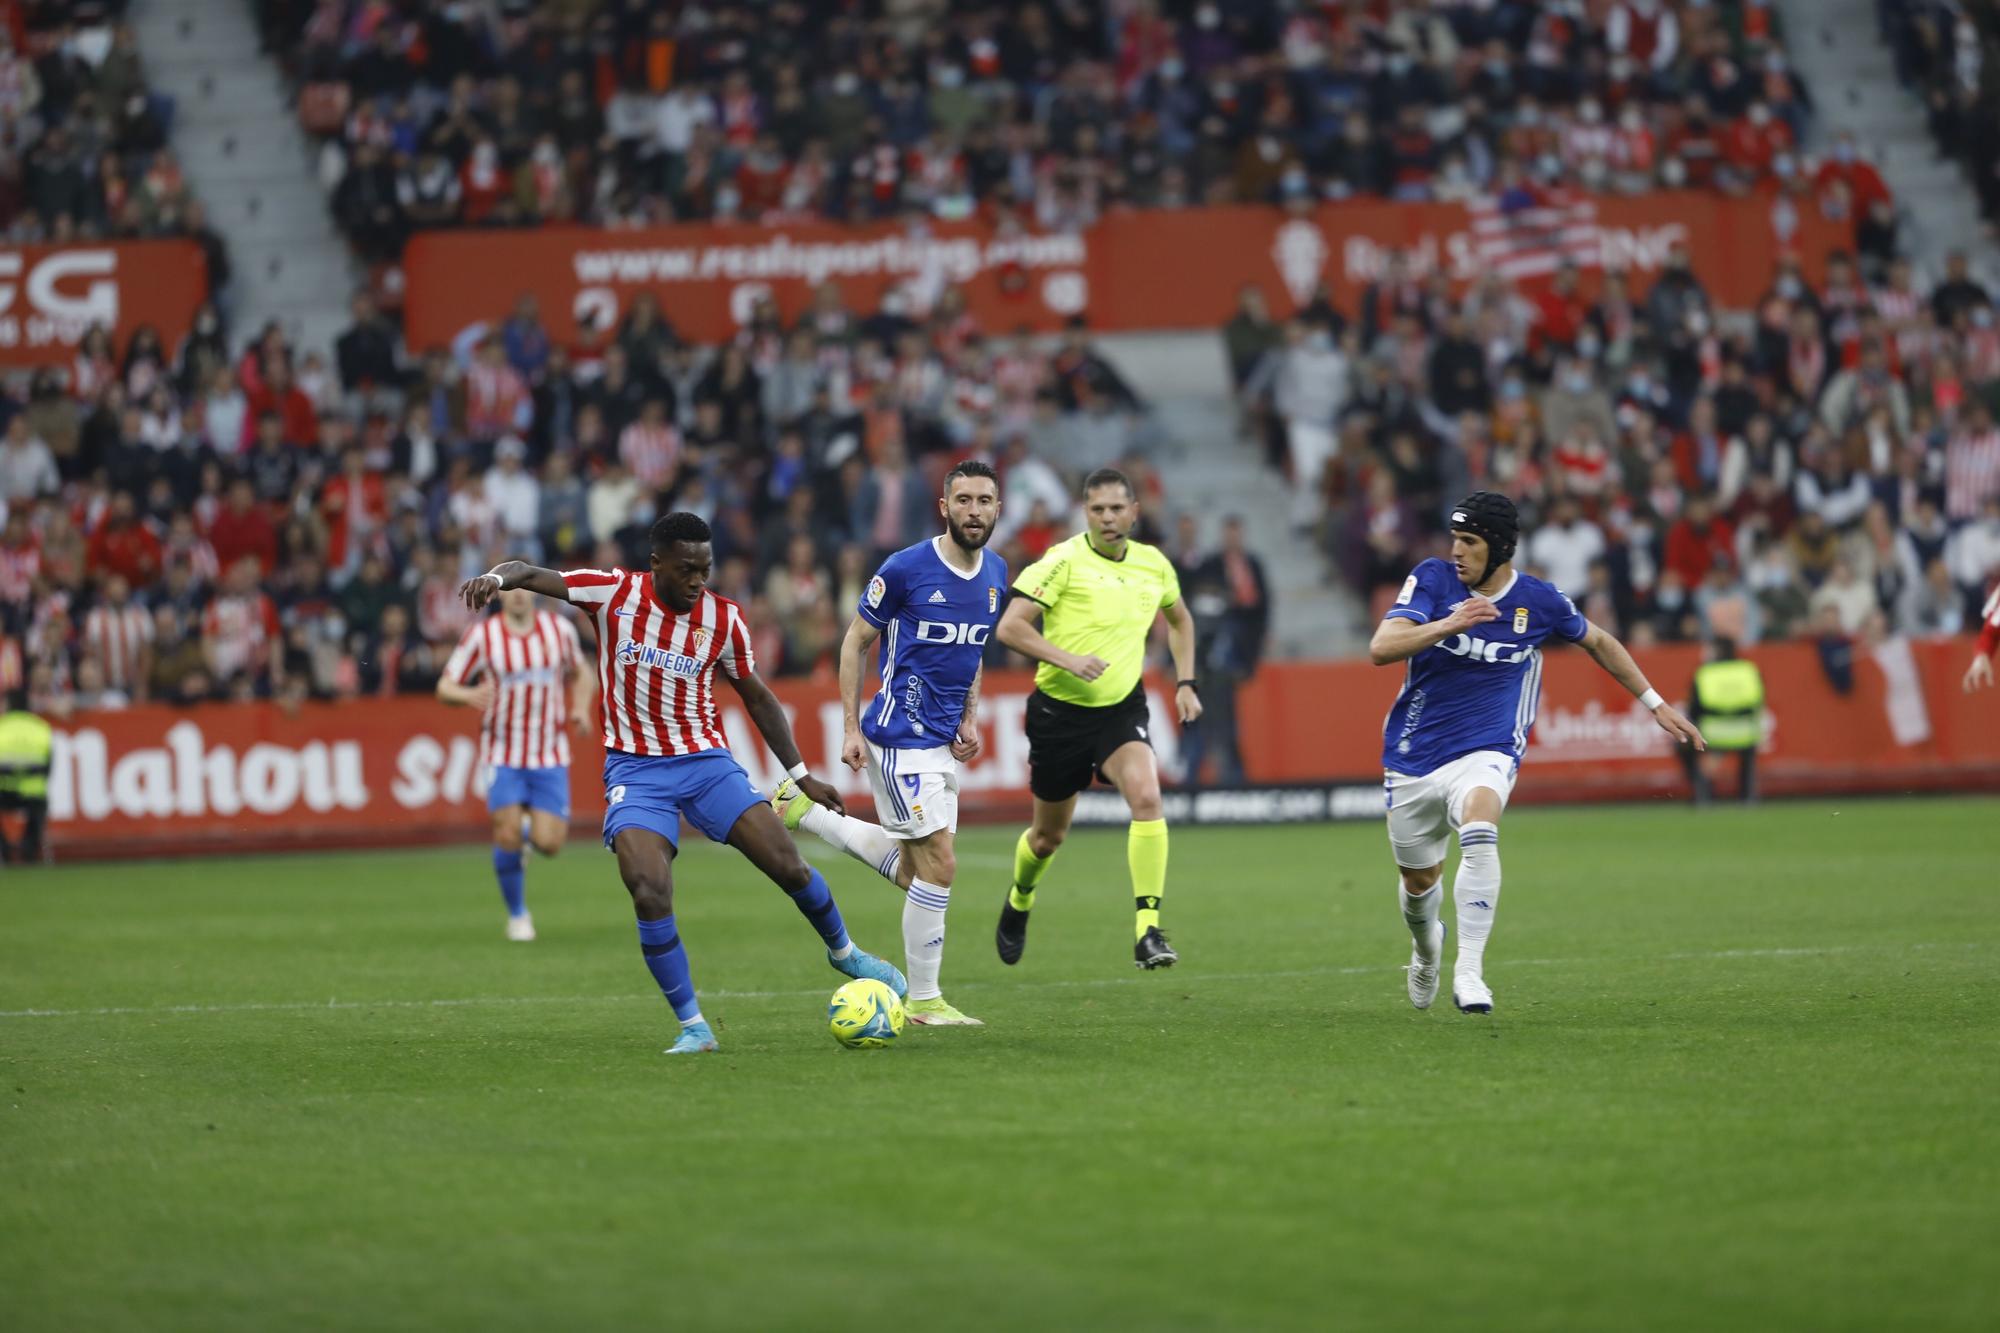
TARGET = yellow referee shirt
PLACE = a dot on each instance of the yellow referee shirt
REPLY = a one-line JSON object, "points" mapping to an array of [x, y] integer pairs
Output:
{"points": [[1095, 606]]}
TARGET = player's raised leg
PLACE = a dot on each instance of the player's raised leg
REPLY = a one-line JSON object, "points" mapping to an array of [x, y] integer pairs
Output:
{"points": [[511, 872], [1475, 891], [865, 842], [645, 863], [1036, 847], [1136, 774], [761, 836]]}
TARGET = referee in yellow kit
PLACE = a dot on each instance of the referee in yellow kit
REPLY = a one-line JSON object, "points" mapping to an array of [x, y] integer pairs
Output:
{"points": [[1097, 594]]}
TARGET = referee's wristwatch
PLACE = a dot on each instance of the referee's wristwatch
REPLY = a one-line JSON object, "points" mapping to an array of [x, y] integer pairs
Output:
{"points": [[1188, 684]]}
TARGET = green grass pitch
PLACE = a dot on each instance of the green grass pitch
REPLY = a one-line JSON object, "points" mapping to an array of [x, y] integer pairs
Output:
{"points": [[1743, 1076]]}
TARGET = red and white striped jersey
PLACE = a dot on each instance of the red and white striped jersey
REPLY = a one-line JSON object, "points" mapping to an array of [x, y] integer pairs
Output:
{"points": [[1971, 472], [650, 453], [117, 637], [657, 666], [20, 566], [528, 724]]}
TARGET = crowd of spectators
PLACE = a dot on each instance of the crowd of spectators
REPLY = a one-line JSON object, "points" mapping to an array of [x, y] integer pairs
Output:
{"points": [[83, 138], [1948, 53], [1050, 112], [1825, 464], [188, 523]]}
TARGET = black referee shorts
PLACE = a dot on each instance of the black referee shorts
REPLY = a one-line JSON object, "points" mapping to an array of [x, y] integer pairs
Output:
{"points": [[1068, 743]]}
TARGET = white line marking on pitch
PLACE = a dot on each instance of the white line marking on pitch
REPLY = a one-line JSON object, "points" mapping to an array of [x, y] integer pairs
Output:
{"points": [[479, 1001]]}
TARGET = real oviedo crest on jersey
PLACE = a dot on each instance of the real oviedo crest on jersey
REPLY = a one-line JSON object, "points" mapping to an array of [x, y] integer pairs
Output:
{"points": [[1520, 620]]}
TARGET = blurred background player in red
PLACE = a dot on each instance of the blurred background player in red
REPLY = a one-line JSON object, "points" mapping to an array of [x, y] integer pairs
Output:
{"points": [[523, 669]]}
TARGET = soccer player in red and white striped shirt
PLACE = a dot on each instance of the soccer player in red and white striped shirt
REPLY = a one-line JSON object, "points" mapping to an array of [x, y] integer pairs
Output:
{"points": [[662, 640], [118, 635], [518, 669], [1979, 673]]}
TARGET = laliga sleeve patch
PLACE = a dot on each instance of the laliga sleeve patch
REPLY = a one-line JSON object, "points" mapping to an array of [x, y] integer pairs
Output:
{"points": [[877, 590], [1409, 591]]}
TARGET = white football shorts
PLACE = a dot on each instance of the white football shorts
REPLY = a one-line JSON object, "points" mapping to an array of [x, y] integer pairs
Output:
{"points": [[916, 791], [1425, 811]]}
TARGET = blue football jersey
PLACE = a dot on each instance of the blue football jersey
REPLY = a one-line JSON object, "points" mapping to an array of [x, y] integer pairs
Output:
{"points": [[935, 622], [1477, 690]]}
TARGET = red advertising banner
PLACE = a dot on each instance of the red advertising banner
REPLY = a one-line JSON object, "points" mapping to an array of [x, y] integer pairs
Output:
{"points": [[1133, 270], [50, 295], [239, 776]]}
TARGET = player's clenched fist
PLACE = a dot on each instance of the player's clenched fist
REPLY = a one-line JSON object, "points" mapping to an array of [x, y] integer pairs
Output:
{"points": [[1086, 668], [852, 752]]}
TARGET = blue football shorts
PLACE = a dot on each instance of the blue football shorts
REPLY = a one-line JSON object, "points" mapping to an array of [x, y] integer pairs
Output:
{"points": [[537, 788], [709, 788]]}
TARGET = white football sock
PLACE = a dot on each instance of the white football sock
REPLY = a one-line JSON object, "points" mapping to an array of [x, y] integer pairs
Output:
{"points": [[923, 936], [865, 842], [1420, 913], [1476, 891]]}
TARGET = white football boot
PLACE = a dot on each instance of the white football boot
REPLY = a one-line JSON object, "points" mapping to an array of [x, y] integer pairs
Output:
{"points": [[1471, 995], [521, 928]]}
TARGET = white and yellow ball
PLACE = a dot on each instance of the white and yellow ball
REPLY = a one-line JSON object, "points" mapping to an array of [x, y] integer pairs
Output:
{"points": [[865, 1013]]}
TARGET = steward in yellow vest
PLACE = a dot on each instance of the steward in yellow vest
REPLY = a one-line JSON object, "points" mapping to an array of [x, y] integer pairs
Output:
{"points": [[1728, 706], [26, 743]]}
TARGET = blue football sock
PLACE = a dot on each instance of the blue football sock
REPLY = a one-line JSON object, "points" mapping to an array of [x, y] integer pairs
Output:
{"points": [[513, 880], [815, 903], [668, 962]]}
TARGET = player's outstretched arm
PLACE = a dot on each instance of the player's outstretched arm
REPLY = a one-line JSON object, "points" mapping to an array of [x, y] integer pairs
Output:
{"points": [[776, 729], [1397, 638], [477, 592], [1611, 655], [861, 636], [1017, 631]]}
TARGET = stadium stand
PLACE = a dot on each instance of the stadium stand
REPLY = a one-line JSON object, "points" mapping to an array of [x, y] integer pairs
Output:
{"points": [[238, 517], [449, 115], [83, 137]]}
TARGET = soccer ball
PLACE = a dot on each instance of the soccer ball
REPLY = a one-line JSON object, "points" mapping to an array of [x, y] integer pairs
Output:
{"points": [[865, 1013]]}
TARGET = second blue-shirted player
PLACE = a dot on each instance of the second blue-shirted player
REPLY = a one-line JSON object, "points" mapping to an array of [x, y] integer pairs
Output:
{"points": [[933, 606], [1472, 630]]}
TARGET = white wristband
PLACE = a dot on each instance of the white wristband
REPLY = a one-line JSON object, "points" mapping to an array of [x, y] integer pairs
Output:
{"points": [[1650, 699], [499, 578], [797, 771]]}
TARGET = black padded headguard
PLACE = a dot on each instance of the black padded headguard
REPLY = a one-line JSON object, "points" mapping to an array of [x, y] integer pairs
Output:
{"points": [[1491, 516]]}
